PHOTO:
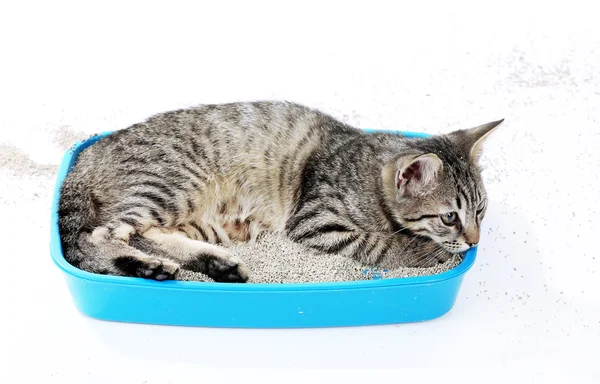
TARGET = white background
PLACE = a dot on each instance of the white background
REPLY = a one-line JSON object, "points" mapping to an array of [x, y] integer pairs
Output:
{"points": [[531, 304]]}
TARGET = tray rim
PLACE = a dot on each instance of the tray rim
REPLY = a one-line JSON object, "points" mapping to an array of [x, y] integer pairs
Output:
{"points": [[59, 260]]}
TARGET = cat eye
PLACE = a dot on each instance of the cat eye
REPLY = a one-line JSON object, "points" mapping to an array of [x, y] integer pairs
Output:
{"points": [[480, 209], [449, 218]]}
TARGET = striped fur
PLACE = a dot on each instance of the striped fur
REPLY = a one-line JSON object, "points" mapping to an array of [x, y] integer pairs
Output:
{"points": [[157, 196]]}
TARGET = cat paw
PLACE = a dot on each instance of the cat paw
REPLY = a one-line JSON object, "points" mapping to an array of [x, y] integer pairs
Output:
{"points": [[147, 268], [221, 267], [227, 270]]}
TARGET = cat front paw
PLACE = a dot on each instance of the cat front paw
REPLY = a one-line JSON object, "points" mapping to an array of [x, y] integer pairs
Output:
{"points": [[219, 266], [227, 270]]}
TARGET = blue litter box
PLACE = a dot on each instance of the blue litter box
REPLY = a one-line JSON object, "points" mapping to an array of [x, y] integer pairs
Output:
{"points": [[303, 305]]}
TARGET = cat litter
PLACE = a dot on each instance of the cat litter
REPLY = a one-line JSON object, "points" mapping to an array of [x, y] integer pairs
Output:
{"points": [[276, 259]]}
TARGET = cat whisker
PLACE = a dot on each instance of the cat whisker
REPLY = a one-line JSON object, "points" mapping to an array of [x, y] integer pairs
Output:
{"points": [[422, 258], [408, 245], [398, 231]]}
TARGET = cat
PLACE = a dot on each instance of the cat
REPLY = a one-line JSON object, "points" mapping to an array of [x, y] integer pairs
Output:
{"points": [[170, 192]]}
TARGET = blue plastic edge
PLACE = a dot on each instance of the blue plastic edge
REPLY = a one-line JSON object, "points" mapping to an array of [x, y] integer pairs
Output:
{"points": [[60, 261]]}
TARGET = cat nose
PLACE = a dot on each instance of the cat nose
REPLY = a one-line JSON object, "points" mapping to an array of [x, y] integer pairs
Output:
{"points": [[471, 237]]}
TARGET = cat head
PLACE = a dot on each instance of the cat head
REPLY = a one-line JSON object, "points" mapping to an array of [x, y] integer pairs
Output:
{"points": [[438, 191]]}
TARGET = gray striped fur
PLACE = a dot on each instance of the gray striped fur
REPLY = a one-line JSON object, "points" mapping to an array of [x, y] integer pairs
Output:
{"points": [[157, 196]]}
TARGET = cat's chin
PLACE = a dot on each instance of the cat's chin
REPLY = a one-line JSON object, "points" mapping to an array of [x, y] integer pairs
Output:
{"points": [[460, 250], [455, 248]]}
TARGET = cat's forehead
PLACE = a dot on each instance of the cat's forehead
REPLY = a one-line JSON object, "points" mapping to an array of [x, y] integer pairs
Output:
{"points": [[463, 190], [448, 151], [460, 184], [461, 179]]}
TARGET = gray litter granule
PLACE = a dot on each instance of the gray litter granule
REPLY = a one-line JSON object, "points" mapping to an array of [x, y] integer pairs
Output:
{"points": [[276, 259], [186, 275]]}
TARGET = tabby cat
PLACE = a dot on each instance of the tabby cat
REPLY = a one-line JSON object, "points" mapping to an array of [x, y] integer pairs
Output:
{"points": [[156, 197]]}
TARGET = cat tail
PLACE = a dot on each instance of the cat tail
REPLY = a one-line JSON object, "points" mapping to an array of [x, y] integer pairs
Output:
{"points": [[78, 213]]}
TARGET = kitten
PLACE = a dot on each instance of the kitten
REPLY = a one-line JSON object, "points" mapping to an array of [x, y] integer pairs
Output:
{"points": [[155, 197]]}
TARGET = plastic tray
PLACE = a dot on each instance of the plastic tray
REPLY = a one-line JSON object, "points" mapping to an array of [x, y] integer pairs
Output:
{"points": [[303, 305]]}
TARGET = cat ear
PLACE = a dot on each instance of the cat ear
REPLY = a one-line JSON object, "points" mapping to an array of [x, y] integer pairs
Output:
{"points": [[418, 175], [475, 137]]}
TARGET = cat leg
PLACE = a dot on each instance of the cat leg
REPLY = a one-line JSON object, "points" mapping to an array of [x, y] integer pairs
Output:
{"points": [[388, 250], [105, 253], [198, 256], [379, 249]]}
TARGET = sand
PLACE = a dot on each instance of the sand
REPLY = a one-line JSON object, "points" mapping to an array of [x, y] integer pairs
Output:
{"points": [[275, 259]]}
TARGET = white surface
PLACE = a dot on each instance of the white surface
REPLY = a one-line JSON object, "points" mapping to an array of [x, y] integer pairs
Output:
{"points": [[531, 303]]}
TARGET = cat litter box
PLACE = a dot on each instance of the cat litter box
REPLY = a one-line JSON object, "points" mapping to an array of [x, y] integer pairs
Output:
{"points": [[301, 305]]}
